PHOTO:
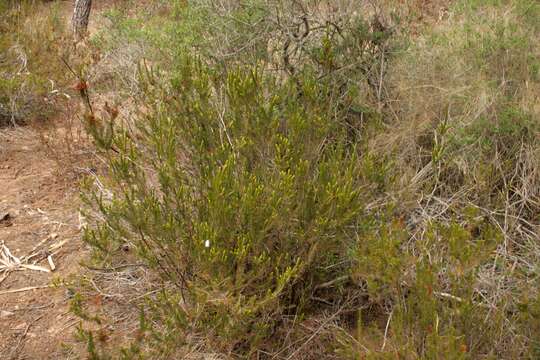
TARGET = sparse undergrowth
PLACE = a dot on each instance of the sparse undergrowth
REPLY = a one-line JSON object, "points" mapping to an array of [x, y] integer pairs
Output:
{"points": [[309, 180], [32, 77]]}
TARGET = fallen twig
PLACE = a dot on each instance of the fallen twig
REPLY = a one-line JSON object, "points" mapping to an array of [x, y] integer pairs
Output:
{"points": [[51, 263], [33, 251], [24, 289], [9, 262]]}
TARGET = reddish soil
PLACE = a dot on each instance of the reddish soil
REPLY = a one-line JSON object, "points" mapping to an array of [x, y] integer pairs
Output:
{"points": [[38, 202]]}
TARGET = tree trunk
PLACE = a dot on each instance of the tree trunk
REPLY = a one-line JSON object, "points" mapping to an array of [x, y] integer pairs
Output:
{"points": [[81, 14]]}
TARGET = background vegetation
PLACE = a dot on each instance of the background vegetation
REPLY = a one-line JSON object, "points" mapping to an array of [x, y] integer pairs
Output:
{"points": [[32, 41]]}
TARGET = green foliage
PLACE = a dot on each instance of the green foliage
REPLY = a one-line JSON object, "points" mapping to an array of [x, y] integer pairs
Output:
{"points": [[28, 68], [430, 286], [251, 201], [505, 132], [381, 260], [253, 184], [76, 306], [91, 347]]}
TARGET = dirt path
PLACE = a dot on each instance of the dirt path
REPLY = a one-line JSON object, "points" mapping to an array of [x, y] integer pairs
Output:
{"points": [[39, 205], [39, 216]]}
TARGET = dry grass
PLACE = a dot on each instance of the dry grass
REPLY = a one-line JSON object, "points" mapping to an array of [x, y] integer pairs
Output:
{"points": [[448, 91], [32, 79]]}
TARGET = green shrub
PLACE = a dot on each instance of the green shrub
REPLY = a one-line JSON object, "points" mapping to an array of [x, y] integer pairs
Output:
{"points": [[246, 200]]}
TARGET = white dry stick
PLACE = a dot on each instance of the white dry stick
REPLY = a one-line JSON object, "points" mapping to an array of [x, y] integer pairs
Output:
{"points": [[7, 258], [58, 245], [9, 262], [35, 267], [51, 263], [386, 329], [33, 251], [449, 296], [82, 222], [24, 289]]}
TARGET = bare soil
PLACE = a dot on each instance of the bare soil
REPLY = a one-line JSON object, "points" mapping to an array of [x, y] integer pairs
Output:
{"points": [[39, 201], [39, 211]]}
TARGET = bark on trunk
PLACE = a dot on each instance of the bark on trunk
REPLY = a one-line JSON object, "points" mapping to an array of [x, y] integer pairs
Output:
{"points": [[81, 14]]}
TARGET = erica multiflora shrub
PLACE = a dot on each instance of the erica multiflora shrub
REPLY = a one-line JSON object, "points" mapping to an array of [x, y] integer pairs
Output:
{"points": [[241, 190]]}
